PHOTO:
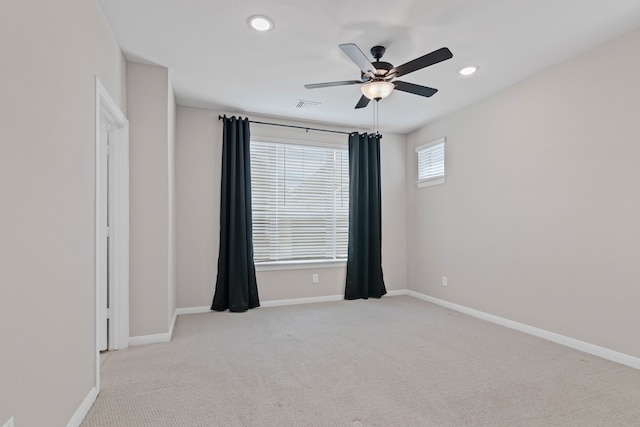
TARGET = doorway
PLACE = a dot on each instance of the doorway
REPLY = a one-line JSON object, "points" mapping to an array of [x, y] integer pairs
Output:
{"points": [[112, 227]]}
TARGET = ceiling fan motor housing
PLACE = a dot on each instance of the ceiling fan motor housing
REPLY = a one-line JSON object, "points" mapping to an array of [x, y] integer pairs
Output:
{"points": [[382, 68]]}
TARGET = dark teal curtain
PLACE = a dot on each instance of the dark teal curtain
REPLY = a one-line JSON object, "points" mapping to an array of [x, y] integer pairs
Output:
{"points": [[364, 258], [236, 287]]}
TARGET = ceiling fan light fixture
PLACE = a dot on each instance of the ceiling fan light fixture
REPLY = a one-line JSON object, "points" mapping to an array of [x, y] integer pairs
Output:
{"points": [[377, 89], [469, 70], [260, 23]]}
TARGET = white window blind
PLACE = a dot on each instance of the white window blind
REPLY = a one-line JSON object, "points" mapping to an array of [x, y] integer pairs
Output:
{"points": [[300, 199], [431, 163]]}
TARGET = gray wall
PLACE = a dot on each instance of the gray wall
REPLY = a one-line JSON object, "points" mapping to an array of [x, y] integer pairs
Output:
{"points": [[150, 107], [50, 54], [198, 162], [539, 219]]}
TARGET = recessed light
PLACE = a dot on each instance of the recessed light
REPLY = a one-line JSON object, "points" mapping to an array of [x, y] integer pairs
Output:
{"points": [[260, 23], [467, 71]]}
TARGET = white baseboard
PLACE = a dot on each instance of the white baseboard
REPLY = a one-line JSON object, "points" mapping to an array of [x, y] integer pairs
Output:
{"points": [[173, 323], [295, 301], [193, 310], [155, 338], [327, 298], [585, 347], [83, 409], [149, 339], [283, 302]]}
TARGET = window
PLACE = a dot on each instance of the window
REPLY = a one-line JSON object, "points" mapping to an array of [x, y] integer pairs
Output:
{"points": [[300, 198], [431, 163]]}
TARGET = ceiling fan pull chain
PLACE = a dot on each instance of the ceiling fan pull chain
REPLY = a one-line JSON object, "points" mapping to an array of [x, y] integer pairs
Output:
{"points": [[375, 116]]}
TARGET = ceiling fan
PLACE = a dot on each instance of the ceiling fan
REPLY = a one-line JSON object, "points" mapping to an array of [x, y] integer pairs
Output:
{"points": [[378, 79]]}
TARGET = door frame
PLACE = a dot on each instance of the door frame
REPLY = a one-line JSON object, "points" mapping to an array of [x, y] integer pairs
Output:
{"points": [[108, 111]]}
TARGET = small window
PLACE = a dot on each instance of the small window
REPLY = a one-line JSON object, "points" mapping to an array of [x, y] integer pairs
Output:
{"points": [[431, 163]]}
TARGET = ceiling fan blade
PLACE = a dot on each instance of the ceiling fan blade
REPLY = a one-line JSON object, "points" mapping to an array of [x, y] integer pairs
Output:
{"points": [[330, 84], [364, 101], [415, 89], [355, 54], [434, 57]]}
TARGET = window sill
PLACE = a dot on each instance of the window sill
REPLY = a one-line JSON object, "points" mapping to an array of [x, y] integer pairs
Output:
{"points": [[430, 182], [299, 265]]}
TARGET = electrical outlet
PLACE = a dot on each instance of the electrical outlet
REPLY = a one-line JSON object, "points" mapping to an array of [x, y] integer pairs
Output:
{"points": [[315, 278], [444, 281], [9, 423]]}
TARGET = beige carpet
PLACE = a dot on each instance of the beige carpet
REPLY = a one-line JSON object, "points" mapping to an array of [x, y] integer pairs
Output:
{"points": [[397, 361]]}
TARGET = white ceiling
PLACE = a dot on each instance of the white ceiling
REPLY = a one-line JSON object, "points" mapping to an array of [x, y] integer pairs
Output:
{"points": [[217, 61]]}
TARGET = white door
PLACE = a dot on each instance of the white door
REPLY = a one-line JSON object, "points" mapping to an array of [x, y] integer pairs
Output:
{"points": [[112, 227], [103, 237]]}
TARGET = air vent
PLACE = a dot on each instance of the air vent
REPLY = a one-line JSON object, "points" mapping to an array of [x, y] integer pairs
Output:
{"points": [[307, 104]]}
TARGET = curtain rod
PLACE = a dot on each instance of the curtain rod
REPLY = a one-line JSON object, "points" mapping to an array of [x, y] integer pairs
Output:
{"points": [[295, 127]]}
